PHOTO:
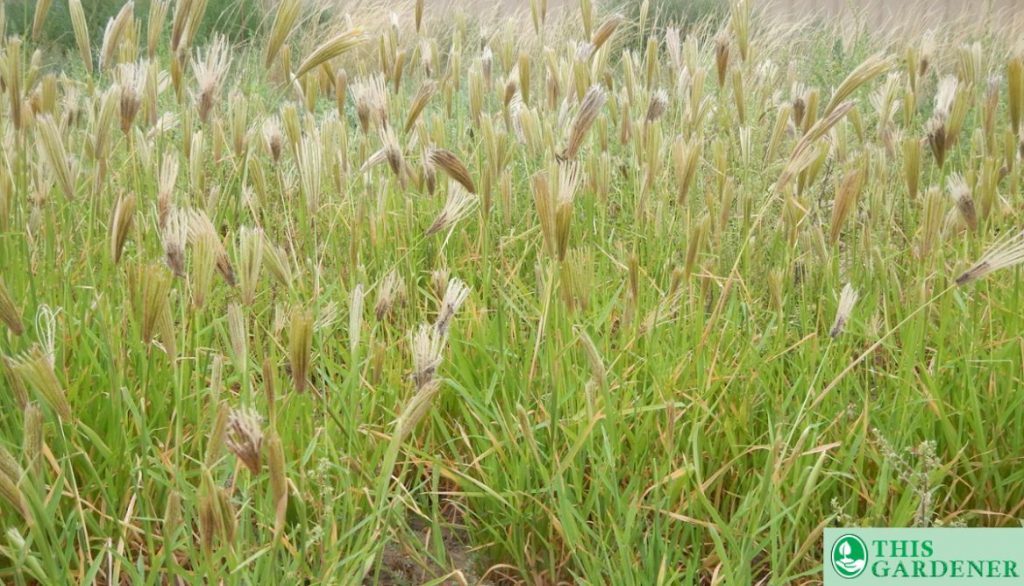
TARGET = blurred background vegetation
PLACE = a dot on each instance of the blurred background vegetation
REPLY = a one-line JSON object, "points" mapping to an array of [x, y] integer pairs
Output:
{"points": [[238, 19], [682, 13], [241, 19]]}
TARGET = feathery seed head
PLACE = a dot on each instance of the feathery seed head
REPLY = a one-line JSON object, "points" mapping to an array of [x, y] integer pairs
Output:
{"points": [[439, 282], [131, 80], [331, 48], [9, 313], [606, 30], [151, 288], [210, 66], [278, 264], [238, 334], [278, 480], [244, 437], [722, 55], [657, 106], [847, 299], [452, 166], [250, 261], [371, 98], [34, 369], [1006, 252], [199, 224], [961, 195], [390, 294], [272, 137], [593, 101], [51, 146], [284, 21], [454, 296], [427, 344], [173, 236], [300, 347], [459, 205], [165, 187], [121, 224], [355, 317]]}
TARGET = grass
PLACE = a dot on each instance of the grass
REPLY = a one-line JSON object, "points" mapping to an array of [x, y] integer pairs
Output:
{"points": [[477, 301]]}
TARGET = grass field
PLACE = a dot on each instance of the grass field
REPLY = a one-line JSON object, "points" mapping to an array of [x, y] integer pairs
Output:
{"points": [[406, 295]]}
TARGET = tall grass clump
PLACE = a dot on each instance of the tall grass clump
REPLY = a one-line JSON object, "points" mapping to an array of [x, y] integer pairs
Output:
{"points": [[429, 293]]}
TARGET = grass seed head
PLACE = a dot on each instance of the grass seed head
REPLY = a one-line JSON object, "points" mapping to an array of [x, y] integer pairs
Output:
{"points": [[455, 295], [459, 205], [311, 171], [216, 515], [151, 289], [593, 101], [419, 102], [218, 434], [272, 137], [10, 480], [331, 48], [278, 264], [131, 81], [244, 437], [935, 129], [577, 278], [606, 30], [114, 33], [1007, 252], [32, 438], [426, 344], [250, 262], [81, 29], [911, 147], [14, 382], [165, 187], [847, 299], [121, 224], [355, 317], [961, 195], [721, 41], [35, 370], [51, 145], [210, 66], [869, 69], [9, 312], [1015, 89], [284, 21], [206, 248], [172, 519], [277, 466], [12, 67], [393, 153], [449, 163], [200, 226], [155, 25], [656, 106], [300, 347], [390, 294], [846, 198], [239, 336], [371, 99], [686, 156]]}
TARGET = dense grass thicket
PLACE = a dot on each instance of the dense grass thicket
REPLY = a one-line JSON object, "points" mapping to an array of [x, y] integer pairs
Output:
{"points": [[410, 296]]}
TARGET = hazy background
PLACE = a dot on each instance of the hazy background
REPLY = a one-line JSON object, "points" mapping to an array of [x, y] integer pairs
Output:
{"points": [[889, 12], [240, 19]]}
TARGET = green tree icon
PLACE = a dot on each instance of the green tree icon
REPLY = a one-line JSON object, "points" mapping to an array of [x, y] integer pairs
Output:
{"points": [[849, 556]]}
